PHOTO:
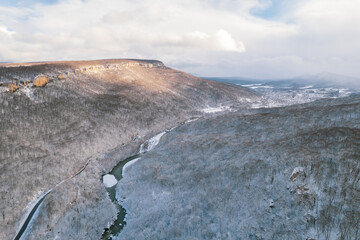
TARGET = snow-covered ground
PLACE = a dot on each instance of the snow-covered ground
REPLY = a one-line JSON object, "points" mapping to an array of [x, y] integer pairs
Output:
{"points": [[29, 208], [3, 89], [151, 143], [215, 109], [109, 180], [234, 175], [128, 164], [279, 96], [28, 92], [284, 92]]}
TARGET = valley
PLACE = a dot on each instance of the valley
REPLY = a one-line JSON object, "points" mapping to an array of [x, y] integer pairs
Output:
{"points": [[132, 149]]}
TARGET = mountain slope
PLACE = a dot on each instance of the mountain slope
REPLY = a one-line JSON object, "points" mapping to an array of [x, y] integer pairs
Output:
{"points": [[88, 113], [281, 173]]}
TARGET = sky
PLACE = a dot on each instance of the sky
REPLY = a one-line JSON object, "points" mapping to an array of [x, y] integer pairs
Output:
{"points": [[223, 38]]}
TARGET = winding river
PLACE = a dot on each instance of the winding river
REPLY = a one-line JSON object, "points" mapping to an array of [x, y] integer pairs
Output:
{"points": [[120, 222], [115, 175]]}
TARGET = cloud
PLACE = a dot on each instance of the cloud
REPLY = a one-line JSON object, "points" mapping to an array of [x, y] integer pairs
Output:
{"points": [[220, 40], [205, 37], [5, 31], [93, 29], [228, 43]]}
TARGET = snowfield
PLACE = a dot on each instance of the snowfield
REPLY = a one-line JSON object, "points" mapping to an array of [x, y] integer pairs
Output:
{"points": [[215, 109], [151, 143]]}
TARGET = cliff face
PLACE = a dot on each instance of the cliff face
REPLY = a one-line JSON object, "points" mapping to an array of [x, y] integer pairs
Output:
{"points": [[281, 173], [89, 114]]}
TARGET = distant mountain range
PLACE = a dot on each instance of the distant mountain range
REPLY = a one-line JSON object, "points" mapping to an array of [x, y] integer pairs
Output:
{"points": [[324, 79]]}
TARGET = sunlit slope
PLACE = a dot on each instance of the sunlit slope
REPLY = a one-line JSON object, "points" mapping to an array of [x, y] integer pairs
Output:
{"points": [[49, 131]]}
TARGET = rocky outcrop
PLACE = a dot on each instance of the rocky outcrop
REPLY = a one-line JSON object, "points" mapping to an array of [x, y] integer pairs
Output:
{"points": [[24, 72], [40, 81], [13, 87], [61, 76]]}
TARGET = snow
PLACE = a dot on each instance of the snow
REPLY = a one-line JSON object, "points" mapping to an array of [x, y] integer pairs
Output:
{"points": [[297, 170], [215, 109], [271, 203], [250, 85], [255, 87], [29, 208], [31, 223], [191, 120], [29, 93], [3, 89], [278, 97], [109, 180], [128, 164], [151, 143], [344, 90], [307, 87], [295, 173], [263, 198]]}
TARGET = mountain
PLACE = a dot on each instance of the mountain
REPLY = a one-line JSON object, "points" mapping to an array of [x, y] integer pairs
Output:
{"points": [[275, 173], [320, 80], [304, 89], [131, 149], [65, 124], [330, 79]]}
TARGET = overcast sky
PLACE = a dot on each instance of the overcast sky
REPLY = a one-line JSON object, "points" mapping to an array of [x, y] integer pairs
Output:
{"points": [[249, 38]]}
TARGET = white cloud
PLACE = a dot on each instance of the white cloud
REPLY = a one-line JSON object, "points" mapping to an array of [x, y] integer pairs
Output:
{"points": [[228, 43], [5, 31], [206, 37]]}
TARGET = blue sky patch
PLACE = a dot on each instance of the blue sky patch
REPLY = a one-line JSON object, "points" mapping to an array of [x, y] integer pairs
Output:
{"points": [[274, 11], [25, 3]]}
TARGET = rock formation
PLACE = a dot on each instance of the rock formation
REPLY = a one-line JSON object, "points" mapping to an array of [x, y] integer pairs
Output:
{"points": [[13, 87], [62, 76], [41, 81]]}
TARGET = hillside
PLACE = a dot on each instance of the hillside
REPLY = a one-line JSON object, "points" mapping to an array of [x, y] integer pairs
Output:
{"points": [[65, 124], [276, 173]]}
